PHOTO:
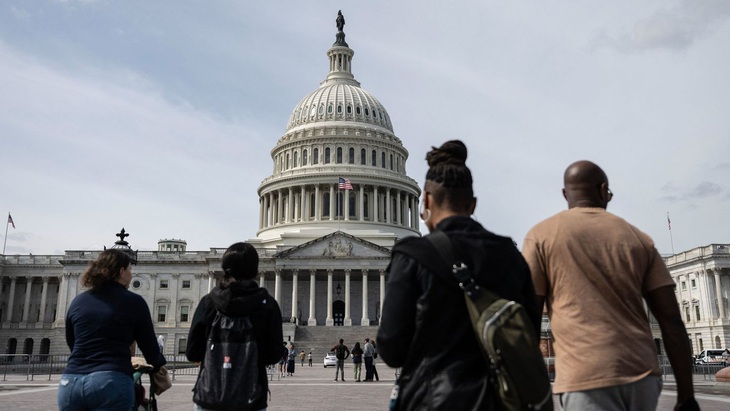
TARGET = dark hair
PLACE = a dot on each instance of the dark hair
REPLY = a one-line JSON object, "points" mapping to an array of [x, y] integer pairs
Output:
{"points": [[105, 269], [240, 262], [450, 178]]}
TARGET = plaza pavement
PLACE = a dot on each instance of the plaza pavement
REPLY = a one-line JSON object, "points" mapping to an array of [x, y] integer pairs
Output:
{"points": [[309, 389]]}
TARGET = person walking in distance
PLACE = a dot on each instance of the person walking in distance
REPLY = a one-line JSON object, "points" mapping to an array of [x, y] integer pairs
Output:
{"points": [[367, 355], [594, 271], [302, 356], [356, 354], [342, 353], [309, 357], [420, 304]]}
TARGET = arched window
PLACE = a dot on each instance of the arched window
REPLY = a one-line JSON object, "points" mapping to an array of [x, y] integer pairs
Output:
{"points": [[366, 206], [391, 162], [339, 155], [327, 155], [28, 346], [315, 156], [12, 346], [304, 157], [363, 160], [351, 156], [321, 109], [358, 111], [367, 112], [374, 158], [287, 164], [349, 109], [339, 109], [296, 159], [382, 159], [329, 109], [312, 202]]}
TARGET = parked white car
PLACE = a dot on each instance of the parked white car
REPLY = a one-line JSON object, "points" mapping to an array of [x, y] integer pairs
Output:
{"points": [[330, 360]]}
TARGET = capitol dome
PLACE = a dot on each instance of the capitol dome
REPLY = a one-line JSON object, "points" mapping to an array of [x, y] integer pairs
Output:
{"points": [[338, 167]]}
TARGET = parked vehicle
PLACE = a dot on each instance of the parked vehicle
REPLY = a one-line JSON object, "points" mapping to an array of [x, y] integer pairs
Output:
{"points": [[710, 356], [330, 360]]}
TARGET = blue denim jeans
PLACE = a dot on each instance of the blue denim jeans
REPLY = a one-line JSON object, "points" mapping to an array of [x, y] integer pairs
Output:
{"points": [[101, 390]]}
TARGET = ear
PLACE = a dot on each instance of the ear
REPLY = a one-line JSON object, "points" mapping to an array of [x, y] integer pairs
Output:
{"points": [[473, 205], [565, 195]]}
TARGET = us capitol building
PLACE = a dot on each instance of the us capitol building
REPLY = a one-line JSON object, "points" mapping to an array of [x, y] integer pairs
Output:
{"points": [[338, 199]]}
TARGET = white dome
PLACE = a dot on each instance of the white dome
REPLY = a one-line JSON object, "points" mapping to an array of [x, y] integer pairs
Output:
{"points": [[339, 101]]}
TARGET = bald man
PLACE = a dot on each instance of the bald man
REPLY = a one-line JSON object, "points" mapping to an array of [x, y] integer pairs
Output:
{"points": [[593, 270]]}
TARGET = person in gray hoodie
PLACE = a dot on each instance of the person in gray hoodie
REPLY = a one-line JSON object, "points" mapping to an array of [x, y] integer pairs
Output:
{"points": [[238, 295]]}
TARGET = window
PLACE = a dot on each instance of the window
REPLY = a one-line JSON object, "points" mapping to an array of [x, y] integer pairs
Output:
{"points": [[694, 283], [164, 284], [326, 208], [684, 286], [391, 161], [374, 158], [686, 315], [339, 109], [182, 345], [186, 284], [304, 157], [357, 110], [349, 109], [315, 156], [329, 109], [363, 160], [382, 159], [327, 155], [321, 109], [338, 160], [351, 156], [184, 311], [697, 312], [136, 284], [161, 313], [296, 159]]}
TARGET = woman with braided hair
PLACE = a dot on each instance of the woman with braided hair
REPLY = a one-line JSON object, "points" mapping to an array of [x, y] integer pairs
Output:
{"points": [[420, 305]]}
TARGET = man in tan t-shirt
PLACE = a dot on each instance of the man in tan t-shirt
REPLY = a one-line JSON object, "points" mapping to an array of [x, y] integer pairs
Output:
{"points": [[594, 271]]}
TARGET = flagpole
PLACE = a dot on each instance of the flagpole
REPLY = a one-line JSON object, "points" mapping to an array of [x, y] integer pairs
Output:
{"points": [[669, 225], [6, 233]]}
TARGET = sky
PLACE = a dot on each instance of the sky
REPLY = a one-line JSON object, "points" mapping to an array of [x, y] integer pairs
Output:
{"points": [[160, 117]]}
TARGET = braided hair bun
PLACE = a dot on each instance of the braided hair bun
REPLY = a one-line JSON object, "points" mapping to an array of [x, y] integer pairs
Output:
{"points": [[447, 165]]}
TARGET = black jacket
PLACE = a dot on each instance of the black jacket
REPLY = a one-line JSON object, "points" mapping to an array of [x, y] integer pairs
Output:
{"points": [[239, 299], [425, 327]]}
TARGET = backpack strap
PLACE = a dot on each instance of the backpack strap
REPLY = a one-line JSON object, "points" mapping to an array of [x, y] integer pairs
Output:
{"points": [[461, 271]]}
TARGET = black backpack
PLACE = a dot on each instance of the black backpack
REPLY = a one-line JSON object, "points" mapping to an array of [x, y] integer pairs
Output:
{"points": [[229, 374], [340, 352]]}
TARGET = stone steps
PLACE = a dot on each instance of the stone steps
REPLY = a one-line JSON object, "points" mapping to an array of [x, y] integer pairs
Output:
{"points": [[319, 340]]}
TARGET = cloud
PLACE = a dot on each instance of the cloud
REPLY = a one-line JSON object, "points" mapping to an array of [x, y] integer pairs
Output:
{"points": [[704, 189], [674, 28]]}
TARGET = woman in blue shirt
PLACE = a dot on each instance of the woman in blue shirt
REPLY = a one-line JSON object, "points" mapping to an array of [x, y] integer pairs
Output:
{"points": [[101, 325]]}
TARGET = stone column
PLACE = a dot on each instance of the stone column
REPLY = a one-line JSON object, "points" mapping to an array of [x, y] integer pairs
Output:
{"points": [[375, 204], [399, 206], [279, 208], [44, 298], [290, 206], [329, 321], [365, 319], [346, 205], [348, 320], [317, 203], [333, 204], [172, 312], [26, 302], [262, 279], [62, 302], [11, 299], [382, 294], [718, 293], [389, 210], [303, 212], [262, 204], [312, 297], [277, 286], [294, 294], [362, 202]]}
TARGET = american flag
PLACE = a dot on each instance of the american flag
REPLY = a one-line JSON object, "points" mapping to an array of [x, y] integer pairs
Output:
{"points": [[345, 184], [669, 222], [10, 220]]}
